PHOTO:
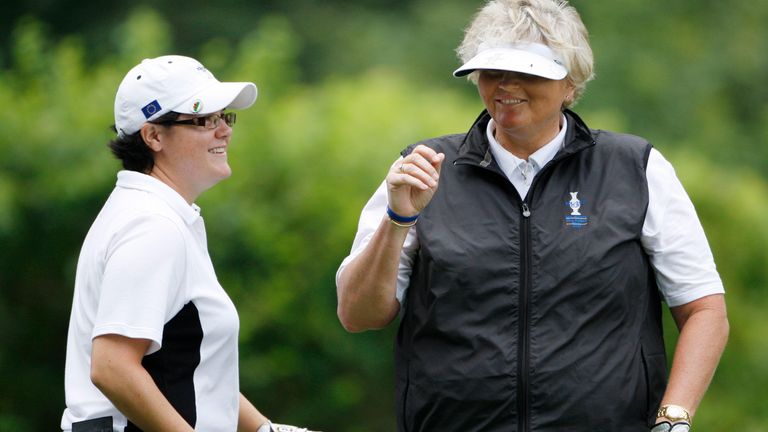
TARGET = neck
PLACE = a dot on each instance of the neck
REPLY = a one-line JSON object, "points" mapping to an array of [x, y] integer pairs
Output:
{"points": [[524, 143], [164, 177]]}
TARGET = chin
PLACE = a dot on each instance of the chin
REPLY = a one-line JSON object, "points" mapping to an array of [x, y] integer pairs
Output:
{"points": [[219, 176], [224, 172]]}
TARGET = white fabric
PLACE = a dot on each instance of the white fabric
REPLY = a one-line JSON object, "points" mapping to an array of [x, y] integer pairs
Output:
{"points": [[144, 258], [276, 427], [529, 58], [181, 84], [519, 171], [672, 235]]}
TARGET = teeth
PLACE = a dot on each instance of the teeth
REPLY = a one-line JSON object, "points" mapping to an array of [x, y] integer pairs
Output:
{"points": [[218, 150], [511, 101]]}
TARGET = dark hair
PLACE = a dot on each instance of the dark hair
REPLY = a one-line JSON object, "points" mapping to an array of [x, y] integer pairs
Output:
{"points": [[133, 152]]}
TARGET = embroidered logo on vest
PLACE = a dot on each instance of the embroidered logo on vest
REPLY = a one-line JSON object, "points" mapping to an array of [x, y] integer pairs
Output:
{"points": [[575, 219]]}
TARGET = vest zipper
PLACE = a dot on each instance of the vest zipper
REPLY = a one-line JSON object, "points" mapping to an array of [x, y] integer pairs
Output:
{"points": [[523, 346], [526, 210], [523, 338]]}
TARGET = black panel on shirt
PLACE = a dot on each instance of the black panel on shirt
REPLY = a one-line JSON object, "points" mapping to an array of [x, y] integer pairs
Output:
{"points": [[173, 366]]}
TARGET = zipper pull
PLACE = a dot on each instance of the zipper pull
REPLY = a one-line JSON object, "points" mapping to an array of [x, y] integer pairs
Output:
{"points": [[526, 210]]}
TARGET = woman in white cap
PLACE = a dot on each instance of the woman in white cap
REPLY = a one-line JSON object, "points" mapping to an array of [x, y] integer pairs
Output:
{"points": [[152, 342], [529, 284]]}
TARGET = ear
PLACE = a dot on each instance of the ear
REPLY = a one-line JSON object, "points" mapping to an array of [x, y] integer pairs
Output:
{"points": [[570, 91], [151, 134]]}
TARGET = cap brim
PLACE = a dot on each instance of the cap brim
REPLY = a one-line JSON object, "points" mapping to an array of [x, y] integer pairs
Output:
{"points": [[218, 96], [515, 60]]}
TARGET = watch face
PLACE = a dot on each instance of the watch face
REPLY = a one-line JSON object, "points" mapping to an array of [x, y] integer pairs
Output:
{"points": [[675, 413]]}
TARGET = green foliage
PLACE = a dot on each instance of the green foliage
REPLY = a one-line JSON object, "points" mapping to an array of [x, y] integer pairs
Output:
{"points": [[690, 75], [305, 160], [734, 218], [733, 212], [310, 152]]}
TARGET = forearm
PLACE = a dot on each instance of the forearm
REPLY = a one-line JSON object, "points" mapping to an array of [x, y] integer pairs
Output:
{"points": [[367, 285], [249, 419], [117, 371], [703, 335], [134, 393]]}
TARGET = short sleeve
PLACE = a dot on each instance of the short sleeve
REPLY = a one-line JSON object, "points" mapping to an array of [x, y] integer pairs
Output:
{"points": [[142, 281], [674, 239]]}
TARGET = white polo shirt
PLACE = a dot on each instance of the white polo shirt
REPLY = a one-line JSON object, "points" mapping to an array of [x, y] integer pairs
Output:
{"points": [[672, 235], [144, 271]]}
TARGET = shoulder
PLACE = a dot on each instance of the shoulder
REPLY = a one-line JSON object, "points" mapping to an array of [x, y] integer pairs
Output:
{"points": [[448, 144], [616, 143], [136, 216], [606, 137], [602, 139], [135, 205]]}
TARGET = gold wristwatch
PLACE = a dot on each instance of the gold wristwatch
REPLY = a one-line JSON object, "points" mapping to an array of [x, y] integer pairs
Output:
{"points": [[674, 413]]}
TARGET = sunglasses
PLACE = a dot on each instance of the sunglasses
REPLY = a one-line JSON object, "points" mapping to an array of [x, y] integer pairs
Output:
{"points": [[209, 122]]}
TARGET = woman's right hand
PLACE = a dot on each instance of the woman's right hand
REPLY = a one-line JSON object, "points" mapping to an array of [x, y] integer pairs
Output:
{"points": [[412, 181]]}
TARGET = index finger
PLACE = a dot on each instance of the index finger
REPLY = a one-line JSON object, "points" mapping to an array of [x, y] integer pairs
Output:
{"points": [[429, 154]]}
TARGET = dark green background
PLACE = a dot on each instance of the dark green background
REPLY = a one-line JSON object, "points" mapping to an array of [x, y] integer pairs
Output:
{"points": [[343, 87]]}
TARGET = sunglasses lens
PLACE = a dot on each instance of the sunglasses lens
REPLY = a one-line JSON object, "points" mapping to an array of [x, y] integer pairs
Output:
{"points": [[212, 121]]}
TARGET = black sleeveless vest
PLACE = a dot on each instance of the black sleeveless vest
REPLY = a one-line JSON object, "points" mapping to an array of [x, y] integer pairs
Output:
{"points": [[539, 314]]}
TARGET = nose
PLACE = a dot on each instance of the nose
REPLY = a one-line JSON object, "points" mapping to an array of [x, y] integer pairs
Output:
{"points": [[223, 129], [510, 79]]}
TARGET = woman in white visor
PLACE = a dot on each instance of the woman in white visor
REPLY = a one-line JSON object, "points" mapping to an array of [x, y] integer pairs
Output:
{"points": [[527, 259]]}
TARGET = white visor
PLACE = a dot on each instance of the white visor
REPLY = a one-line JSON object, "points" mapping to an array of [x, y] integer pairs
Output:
{"points": [[529, 58]]}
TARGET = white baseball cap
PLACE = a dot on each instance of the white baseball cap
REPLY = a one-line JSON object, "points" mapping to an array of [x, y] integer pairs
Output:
{"points": [[175, 83], [530, 58]]}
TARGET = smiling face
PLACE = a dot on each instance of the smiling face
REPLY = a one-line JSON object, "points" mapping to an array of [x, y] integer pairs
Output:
{"points": [[526, 108], [189, 158]]}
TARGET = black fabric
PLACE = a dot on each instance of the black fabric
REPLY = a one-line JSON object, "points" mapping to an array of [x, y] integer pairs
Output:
{"points": [[101, 424], [173, 366], [545, 323]]}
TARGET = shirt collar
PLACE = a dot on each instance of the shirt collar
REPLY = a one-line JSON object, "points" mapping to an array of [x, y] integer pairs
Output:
{"points": [[143, 182], [509, 162]]}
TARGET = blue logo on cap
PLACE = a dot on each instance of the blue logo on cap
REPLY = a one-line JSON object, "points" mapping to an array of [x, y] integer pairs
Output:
{"points": [[151, 109]]}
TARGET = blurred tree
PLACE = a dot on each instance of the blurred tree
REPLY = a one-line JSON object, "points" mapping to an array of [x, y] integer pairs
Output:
{"points": [[729, 206], [688, 77], [342, 89]]}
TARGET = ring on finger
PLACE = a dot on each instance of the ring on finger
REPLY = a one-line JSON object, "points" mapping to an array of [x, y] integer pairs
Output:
{"points": [[402, 168]]}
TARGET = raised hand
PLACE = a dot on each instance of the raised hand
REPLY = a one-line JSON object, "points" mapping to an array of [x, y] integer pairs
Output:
{"points": [[412, 181]]}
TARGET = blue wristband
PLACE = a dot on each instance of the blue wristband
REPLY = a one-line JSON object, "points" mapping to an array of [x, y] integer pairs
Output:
{"points": [[401, 219]]}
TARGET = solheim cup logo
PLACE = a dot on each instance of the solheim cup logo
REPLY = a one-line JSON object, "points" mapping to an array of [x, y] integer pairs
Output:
{"points": [[575, 219], [575, 204]]}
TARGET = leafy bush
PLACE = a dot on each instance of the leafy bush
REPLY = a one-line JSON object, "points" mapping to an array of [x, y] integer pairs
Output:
{"points": [[306, 157]]}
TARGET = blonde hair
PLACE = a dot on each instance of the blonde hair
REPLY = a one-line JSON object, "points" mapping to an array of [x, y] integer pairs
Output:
{"points": [[550, 22]]}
